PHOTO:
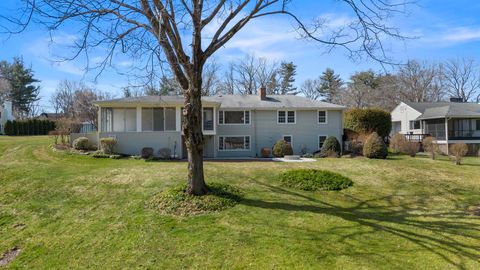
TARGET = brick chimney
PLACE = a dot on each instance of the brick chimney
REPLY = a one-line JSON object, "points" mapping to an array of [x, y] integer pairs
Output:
{"points": [[263, 92]]}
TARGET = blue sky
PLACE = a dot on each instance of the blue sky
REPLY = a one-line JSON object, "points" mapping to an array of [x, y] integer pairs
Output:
{"points": [[444, 29]]}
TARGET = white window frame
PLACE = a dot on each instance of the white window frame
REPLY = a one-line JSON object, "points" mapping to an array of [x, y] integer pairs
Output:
{"points": [[235, 150], [291, 139], [318, 141], [326, 117], [235, 124], [286, 117]]}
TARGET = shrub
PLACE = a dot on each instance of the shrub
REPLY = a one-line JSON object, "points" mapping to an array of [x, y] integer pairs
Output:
{"points": [[411, 148], [397, 143], [265, 151], [100, 154], [458, 150], [147, 152], [368, 121], [431, 147], [375, 147], [331, 147], [282, 148], [81, 143], [107, 145], [165, 153], [312, 180], [8, 128], [175, 200]]}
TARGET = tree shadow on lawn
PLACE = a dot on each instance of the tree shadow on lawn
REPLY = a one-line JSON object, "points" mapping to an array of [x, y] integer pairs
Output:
{"points": [[438, 232]]}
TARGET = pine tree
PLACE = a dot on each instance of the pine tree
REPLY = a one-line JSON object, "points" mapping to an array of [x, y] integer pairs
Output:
{"points": [[287, 71], [330, 84], [272, 85], [23, 92]]}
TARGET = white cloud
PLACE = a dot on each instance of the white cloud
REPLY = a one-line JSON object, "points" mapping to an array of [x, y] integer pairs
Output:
{"points": [[462, 34]]}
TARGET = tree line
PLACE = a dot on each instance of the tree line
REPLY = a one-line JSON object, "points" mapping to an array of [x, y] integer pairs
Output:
{"points": [[415, 81]]}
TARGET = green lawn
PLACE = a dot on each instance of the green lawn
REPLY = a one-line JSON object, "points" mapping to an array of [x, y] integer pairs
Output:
{"points": [[70, 211]]}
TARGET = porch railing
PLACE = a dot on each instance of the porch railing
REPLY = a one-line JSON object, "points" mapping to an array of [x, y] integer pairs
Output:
{"points": [[463, 134], [416, 137]]}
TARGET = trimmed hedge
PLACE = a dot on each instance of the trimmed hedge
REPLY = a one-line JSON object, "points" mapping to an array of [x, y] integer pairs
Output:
{"points": [[375, 147], [28, 127], [331, 147], [368, 120], [81, 143], [282, 148]]}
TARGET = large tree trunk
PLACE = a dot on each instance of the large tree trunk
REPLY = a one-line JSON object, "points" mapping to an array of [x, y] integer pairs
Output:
{"points": [[192, 130]]}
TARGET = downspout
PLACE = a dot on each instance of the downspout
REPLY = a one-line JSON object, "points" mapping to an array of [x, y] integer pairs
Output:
{"points": [[254, 131], [446, 134]]}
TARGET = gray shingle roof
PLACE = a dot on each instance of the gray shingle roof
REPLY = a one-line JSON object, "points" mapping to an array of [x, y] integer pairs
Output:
{"points": [[432, 110], [234, 101]]}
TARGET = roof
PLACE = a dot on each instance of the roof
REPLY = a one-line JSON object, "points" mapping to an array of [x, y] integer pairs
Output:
{"points": [[231, 102], [431, 110]]}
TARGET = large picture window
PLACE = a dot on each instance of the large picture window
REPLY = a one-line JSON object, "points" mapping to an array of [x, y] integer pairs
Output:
{"points": [[234, 143], [234, 117], [286, 117], [414, 124], [124, 120], [158, 119]]}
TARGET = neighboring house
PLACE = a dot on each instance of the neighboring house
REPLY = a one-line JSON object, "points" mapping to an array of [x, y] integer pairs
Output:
{"points": [[50, 116], [448, 122], [233, 125], [6, 113]]}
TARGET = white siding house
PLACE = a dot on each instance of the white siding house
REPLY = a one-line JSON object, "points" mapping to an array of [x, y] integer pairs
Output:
{"points": [[233, 125], [6, 113]]}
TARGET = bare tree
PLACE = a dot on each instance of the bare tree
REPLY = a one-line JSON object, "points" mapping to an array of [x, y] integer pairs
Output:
{"points": [[210, 79], [462, 79], [311, 89], [63, 98], [420, 82], [83, 105], [155, 30], [246, 75]]}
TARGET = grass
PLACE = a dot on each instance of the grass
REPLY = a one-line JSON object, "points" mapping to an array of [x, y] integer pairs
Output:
{"points": [[74, 211], [313, 180], [176, 202]]}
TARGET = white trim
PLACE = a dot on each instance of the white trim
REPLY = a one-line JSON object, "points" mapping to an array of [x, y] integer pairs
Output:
{"points": [[291, 139], [235, 124], [235, 150], [326, 117], [139, 119], [318, 140], [286, 117], [178, 118]]}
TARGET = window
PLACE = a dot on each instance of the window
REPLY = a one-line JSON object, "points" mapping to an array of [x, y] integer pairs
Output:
{"points": [[414, 124], [124, 120], [281, 116], [234, 143], [234, 117], [207, 119], [478, 124], [170, 119], [158, 119], [321, 140], [322, 117], [107, 115], [286, 117], [288, 139]]}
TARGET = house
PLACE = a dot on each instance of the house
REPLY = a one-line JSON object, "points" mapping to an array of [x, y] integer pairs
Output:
{"points": [[449, 122], [6, 113], [50, 116], [233, 125]]}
